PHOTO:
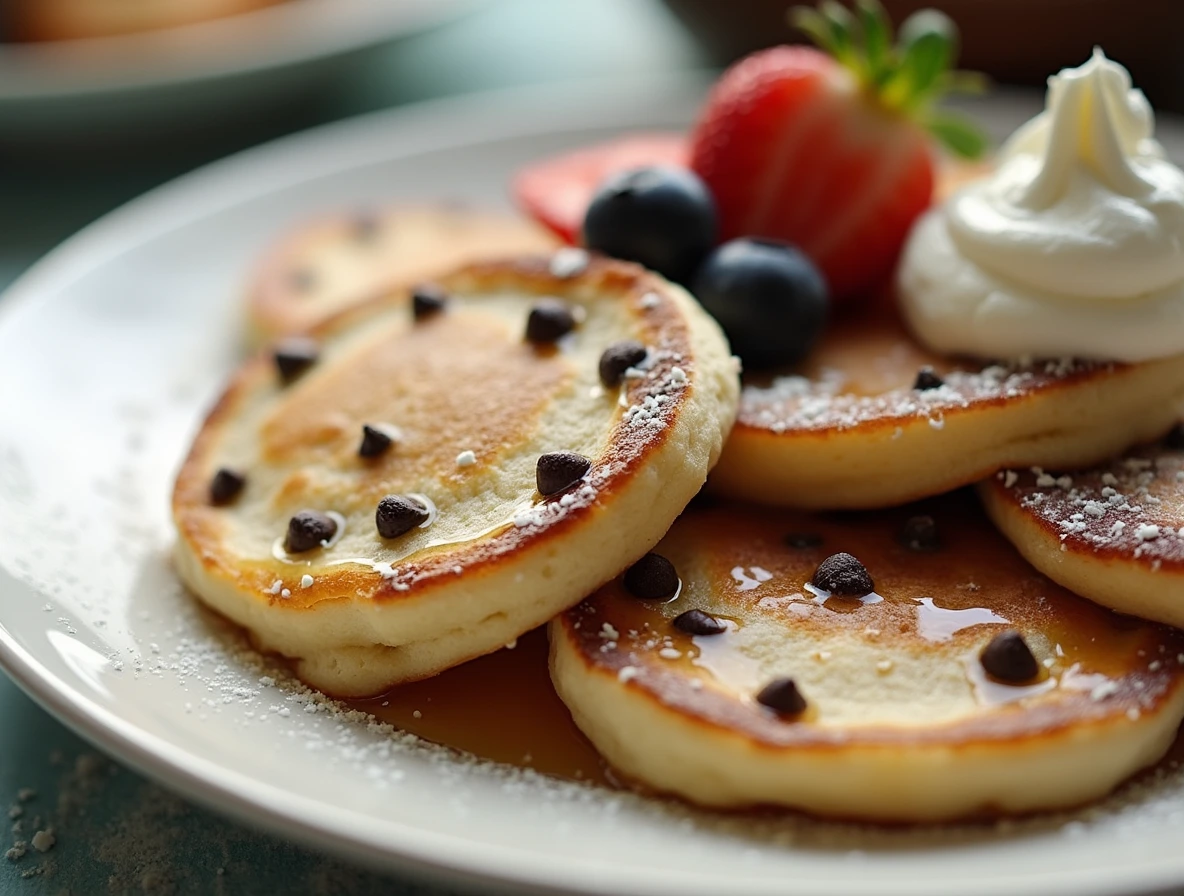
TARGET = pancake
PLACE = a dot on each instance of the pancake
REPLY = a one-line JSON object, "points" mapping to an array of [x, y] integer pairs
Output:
{"points": [[1114, 534], [338, 261], [464, 407], [848, 430], [901, 720]]}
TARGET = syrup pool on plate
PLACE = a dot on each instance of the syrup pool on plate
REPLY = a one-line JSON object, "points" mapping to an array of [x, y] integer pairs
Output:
{"points": [[500, 707]]}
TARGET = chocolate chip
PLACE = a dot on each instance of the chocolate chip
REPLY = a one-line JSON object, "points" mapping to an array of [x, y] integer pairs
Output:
{"points": [[365, 226], [302, 279], [374, 441], [783, 697], [427, 299], [651, 578], [559, 470], [225, 486], [294, 356], [919, 533], [397, 514], [696, 622], [549, 319], [843, 575], [1008, 659], [803, 540], [307, 530], [927, 379], [618, 358], [1175, 438]]}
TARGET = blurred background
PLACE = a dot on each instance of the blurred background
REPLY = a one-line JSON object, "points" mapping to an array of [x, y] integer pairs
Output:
{"points": [[100, 100]]}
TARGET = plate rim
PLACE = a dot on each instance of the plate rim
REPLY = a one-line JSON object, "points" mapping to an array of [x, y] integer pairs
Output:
{"points": [[32, 72], [446, 860]]}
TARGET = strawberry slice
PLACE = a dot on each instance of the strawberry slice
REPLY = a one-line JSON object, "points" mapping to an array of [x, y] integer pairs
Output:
{"points": [[557, 191], [833, 152]]}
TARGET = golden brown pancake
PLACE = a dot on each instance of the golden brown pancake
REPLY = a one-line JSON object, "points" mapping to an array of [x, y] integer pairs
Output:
{"points": [[333, 263], [847, 429], [902, 720], [469, 406], [1114, 533]]}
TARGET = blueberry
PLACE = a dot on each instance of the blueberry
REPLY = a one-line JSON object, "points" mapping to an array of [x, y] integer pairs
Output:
{"points": [[661, 217], [769, 298]]}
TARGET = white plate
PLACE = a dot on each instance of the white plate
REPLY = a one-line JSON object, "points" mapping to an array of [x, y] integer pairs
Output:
{"points": [[226, 61], [112, 347]]}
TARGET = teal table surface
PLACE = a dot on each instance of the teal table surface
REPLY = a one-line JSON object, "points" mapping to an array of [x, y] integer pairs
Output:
{"points": [[116, 832]]}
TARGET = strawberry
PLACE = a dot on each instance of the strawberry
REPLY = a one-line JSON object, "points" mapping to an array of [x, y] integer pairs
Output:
{"points": [[831, 151], [556, 192]]}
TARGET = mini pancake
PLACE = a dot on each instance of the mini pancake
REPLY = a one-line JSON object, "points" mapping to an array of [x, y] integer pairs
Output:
{"points": [[848, 429], [892, 714], [472, 556], [1114, 534], [339, 261]]}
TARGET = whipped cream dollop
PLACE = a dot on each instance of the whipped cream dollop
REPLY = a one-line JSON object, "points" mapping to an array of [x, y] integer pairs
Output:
{"points": [[1074, 246]]}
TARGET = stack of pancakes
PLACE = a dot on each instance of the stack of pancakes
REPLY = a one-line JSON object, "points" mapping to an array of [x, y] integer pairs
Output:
{"points": [[456, 455]]}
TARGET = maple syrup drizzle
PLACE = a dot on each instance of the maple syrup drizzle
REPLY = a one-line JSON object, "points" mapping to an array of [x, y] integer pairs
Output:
{"points": [[936, 623], [499, 707]]}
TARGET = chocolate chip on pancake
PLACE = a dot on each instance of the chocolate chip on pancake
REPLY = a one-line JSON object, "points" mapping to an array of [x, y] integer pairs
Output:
{"points": [[696, 622], [309, 529], [427, 299], [843, 575], [803, 540], [927, 379], [549, 320], [1175, 437], [398, 514], [653, 577], [1009, 659], [618, 358], [559, 470], [919, 533], [783, 697], [374, 441], [894, 691], [294, 356], [226, 486], [470, 406], [302, 280]]}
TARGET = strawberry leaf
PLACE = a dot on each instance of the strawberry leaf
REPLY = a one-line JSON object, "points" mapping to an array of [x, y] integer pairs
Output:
{"points": [[906, 78], [811, 23], [957, 133], [877, 38], [842, 28], [927, 42]]}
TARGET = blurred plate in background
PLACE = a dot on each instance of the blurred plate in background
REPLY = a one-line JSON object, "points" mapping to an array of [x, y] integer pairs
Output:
{"points": [[200, 70]]}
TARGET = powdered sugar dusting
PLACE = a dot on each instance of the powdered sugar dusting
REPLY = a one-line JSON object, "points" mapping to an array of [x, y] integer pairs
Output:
{"points": [[1134, 506], [568, 262], [824, 401]]}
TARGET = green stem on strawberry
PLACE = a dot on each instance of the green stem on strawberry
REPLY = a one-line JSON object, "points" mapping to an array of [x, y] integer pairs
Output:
{"points": [[907, 76]]}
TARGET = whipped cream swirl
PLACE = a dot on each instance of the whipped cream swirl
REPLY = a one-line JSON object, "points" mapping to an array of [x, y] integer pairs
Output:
{"points": [[1075, 246]]}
